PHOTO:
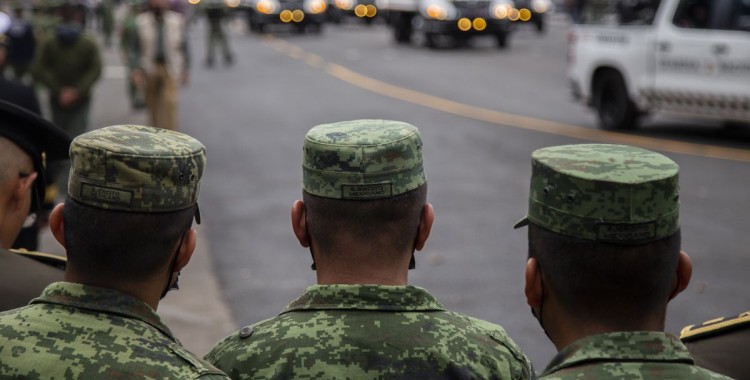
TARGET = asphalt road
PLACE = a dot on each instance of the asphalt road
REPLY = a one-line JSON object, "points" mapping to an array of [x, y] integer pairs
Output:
{"points": [[482, 112]]}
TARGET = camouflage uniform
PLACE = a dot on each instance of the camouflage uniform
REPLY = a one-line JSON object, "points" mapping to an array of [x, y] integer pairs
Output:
{"points": [[86, 332], [626, 355], [612, 194], [368, 331]]}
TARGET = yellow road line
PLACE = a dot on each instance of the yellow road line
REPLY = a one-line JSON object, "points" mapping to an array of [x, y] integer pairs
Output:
{"points": [[503, 118]]}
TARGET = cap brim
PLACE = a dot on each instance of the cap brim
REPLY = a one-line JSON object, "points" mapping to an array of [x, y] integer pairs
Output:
{"points": [[521, 223]]}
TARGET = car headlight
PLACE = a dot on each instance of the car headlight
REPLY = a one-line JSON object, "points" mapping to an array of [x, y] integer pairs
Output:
{"points": [[540, 6], [267, 6], [315, 6], [345, 4], [500, 9], [440, 10]]}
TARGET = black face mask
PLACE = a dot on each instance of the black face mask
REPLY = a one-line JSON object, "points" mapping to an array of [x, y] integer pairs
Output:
{"points": [[173, 285]]}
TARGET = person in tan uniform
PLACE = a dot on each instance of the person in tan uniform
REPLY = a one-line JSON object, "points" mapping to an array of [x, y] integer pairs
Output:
{"points": [[160, 61]]}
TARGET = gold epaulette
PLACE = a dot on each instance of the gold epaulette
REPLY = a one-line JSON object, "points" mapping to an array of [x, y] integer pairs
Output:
{"points": [[46, 258], [714, 326]]}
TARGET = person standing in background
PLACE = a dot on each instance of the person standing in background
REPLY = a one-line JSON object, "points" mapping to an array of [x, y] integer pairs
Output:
{"points": [[22, 44], [68, 65], [216, 13], [160, 61]]}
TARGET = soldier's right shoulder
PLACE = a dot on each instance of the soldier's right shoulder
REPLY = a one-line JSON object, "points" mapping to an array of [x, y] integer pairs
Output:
{"points": [[200, 368]]}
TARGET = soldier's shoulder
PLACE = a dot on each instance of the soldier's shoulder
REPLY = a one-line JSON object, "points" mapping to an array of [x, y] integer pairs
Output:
{"points": [[490, 337], [198, 368], [715, 326], [240, 340]]}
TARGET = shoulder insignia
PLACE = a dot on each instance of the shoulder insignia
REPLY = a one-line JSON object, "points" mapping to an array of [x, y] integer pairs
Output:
{"points": [[714, 326], [56, 261]]}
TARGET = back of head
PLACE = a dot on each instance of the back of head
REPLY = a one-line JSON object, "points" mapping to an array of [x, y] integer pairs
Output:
{"points": [[364, 185], [132, 194], [604, 229]]}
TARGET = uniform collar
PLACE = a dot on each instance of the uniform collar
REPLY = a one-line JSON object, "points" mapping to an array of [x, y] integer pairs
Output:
{"points": [[101, 300], [635, 346], [365, 297]]}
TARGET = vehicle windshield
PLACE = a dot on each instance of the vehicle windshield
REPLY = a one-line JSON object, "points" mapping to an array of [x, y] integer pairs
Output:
{"points": [[622, 12]]}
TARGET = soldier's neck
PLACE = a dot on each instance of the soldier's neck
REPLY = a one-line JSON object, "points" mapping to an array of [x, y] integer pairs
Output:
{"points": [[563, 330], [146, 291]]}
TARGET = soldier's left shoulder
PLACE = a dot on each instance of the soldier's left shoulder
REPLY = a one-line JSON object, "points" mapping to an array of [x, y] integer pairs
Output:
{"points": [[715, 326]]}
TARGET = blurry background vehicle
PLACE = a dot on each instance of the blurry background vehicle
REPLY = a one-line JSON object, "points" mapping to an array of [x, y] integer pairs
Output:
{"points": [[365, 10], [532, 11], [302, 15], [456, 19], [686, 57]]}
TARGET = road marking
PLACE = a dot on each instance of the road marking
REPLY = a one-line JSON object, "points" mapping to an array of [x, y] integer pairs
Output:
{"points": [[504, 118]]}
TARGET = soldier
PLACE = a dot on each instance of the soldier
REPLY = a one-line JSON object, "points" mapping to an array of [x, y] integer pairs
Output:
{"points": [[604, 260], [128, 36], [160, 61], [126, 226], [721, 345], [68, 64], [22, 42], [363, 215], [26, 141], [215, 14]]}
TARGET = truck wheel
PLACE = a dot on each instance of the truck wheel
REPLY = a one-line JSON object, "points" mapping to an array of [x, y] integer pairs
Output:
{"points": [[539, 24], [615, 108], [430, 39], [402, 29], [502, 40]]}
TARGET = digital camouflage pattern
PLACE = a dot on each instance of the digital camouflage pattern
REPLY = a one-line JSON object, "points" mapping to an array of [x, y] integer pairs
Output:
{"points": [[370, 332], [626, 355], [362, 159], [75, 331], [136, 168], [609, 193]]}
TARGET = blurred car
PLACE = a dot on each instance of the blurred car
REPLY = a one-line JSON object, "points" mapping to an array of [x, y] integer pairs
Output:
{"points": [[532, 11], [365, 10], [457, 19], [301, 15]]}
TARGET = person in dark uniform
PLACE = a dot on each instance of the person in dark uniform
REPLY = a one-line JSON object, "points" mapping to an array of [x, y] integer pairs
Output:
{"points": [[721, 345], [216, 13], [22, 44], [24, 97], [26, 141]]}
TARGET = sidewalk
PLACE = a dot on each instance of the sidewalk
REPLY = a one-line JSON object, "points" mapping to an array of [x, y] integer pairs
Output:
{"points": [[197, 313]]}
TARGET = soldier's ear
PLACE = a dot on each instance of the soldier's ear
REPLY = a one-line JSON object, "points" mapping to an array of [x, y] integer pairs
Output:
{"points": [[186, 249], [533, 287], [299, 223], [683, 275], [425, 226], [56, 224]]}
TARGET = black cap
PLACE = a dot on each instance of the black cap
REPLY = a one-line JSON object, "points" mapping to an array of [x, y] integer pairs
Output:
{"points": [[36, 136]]}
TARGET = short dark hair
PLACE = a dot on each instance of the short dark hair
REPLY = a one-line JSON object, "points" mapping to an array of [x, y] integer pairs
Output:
{"points": [[604, 282], [390, 223], [122, 244]]}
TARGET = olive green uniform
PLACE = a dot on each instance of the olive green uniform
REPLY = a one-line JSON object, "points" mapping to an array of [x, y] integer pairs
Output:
{"points": [[86, 332], [370, 332], [626, 355]]}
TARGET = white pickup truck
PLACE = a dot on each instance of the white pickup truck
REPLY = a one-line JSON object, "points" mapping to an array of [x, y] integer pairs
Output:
{"points": [[686, 57]]}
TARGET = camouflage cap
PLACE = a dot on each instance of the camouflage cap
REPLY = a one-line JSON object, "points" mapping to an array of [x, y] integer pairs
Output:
{"points": [[136, 169], [610, 193], [362, 159]]}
